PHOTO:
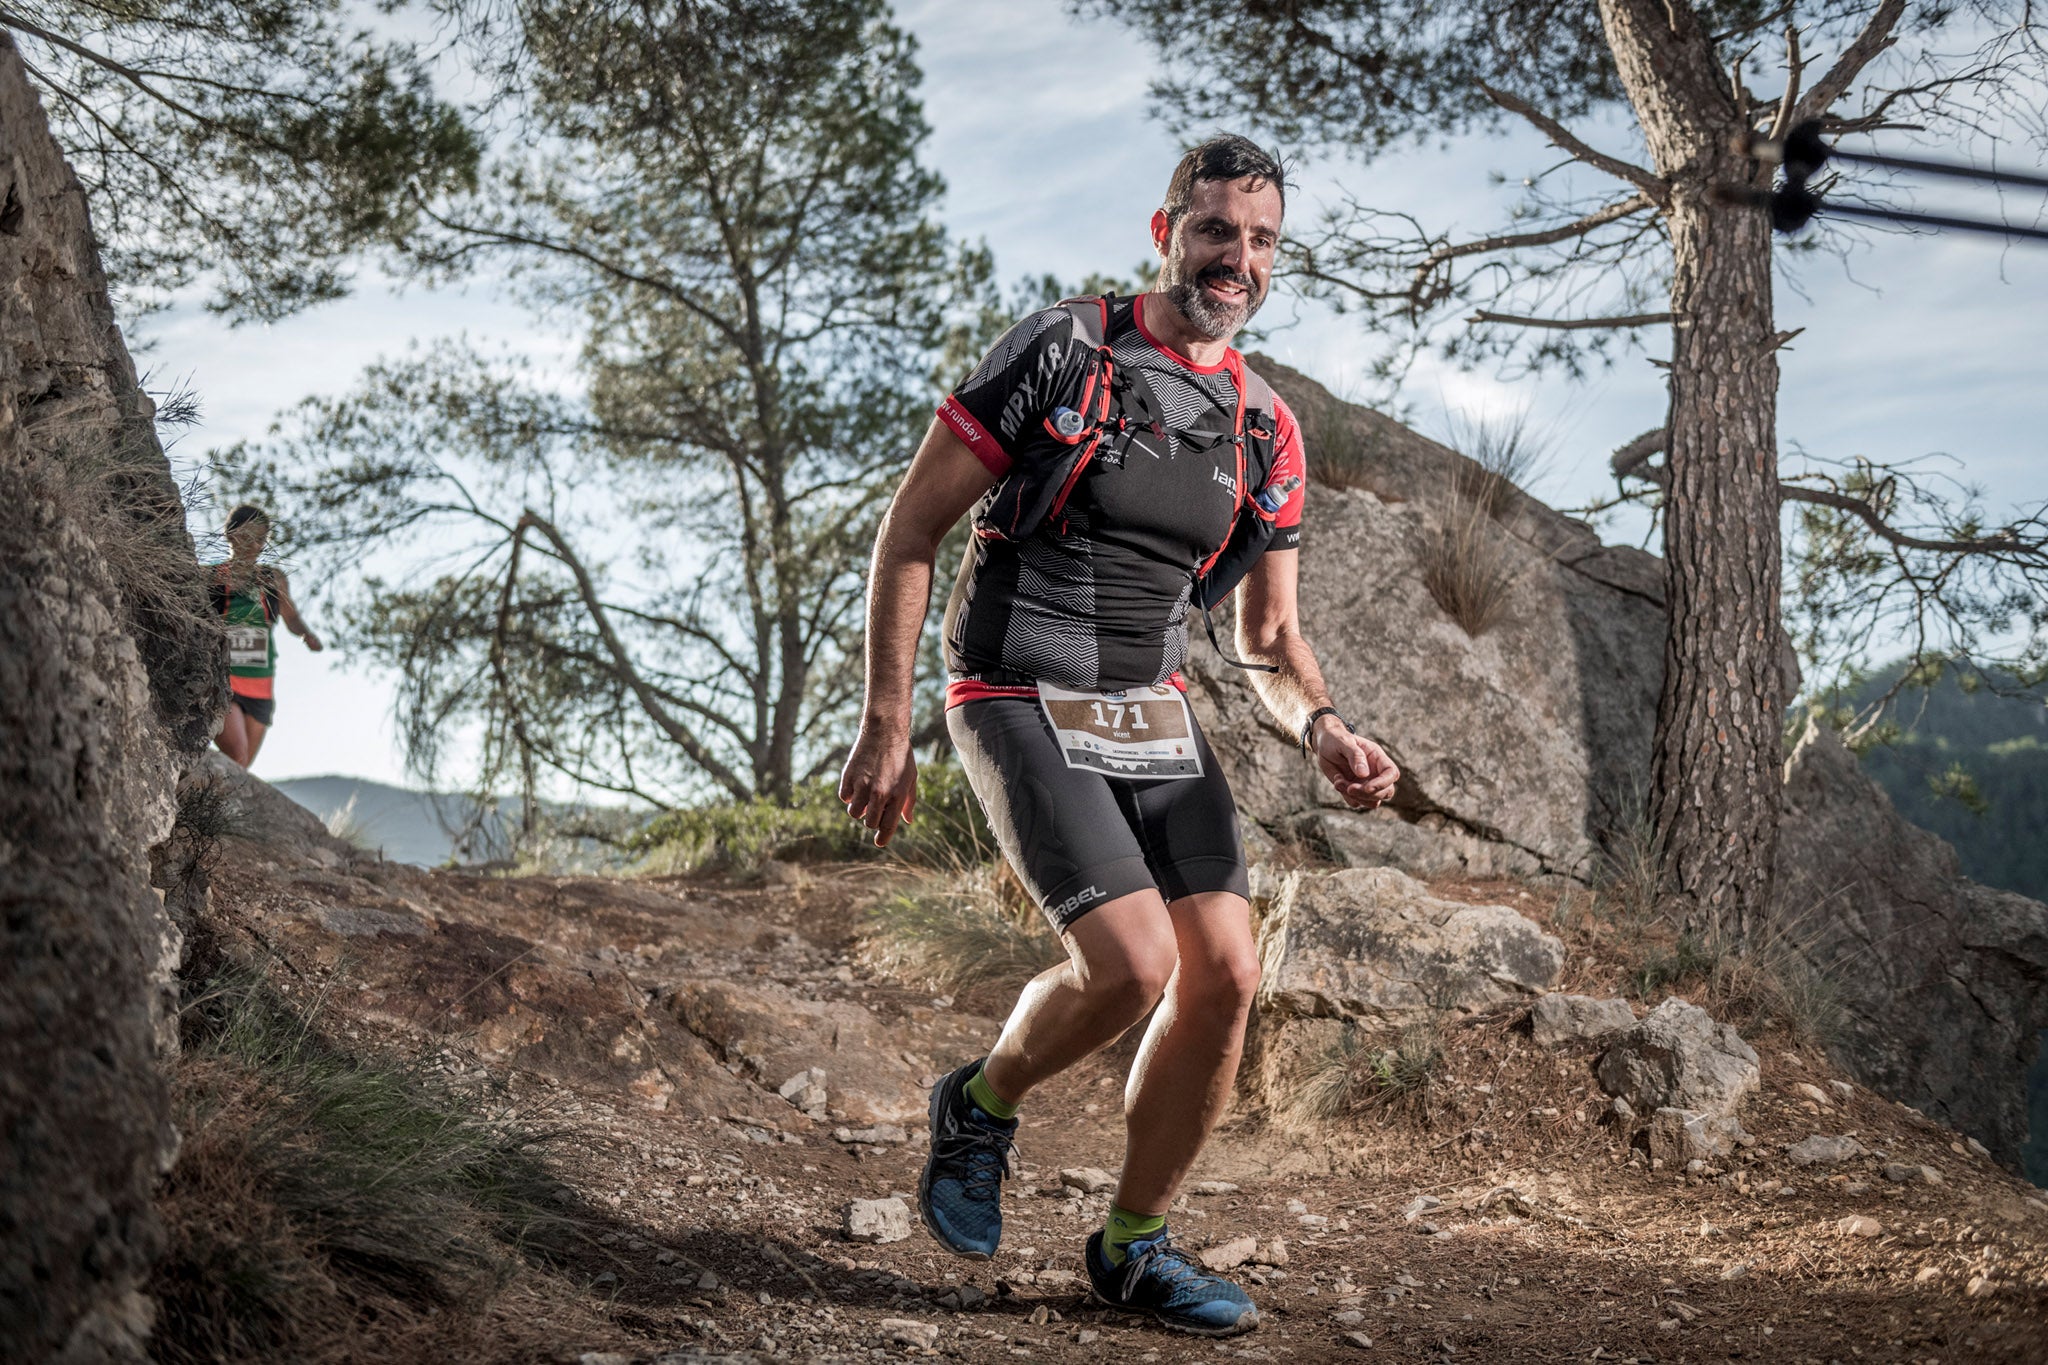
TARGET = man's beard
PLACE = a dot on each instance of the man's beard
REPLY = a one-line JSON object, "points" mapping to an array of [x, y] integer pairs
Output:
{"points": [[1217, 322]]}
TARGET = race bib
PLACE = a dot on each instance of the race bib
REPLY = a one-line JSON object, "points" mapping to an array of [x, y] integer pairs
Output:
{"points": [[1141, 732], [248, 647]]}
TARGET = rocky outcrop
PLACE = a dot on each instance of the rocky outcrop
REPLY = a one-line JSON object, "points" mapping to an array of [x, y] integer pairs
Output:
{"points": [[1944, 983], [1558, 1019], [1373, 944], [1518, 747], [111, 677], [1679, 1057]]}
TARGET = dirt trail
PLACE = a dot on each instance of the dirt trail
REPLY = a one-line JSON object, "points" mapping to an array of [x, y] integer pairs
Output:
{"points": [[653, 1023]]}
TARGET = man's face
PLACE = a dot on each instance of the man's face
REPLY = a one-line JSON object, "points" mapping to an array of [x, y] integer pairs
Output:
{"points": [[1219, 257], [247, 539]]}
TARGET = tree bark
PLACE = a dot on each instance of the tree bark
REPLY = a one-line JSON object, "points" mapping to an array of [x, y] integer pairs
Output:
{"points": [[1718, 748]]}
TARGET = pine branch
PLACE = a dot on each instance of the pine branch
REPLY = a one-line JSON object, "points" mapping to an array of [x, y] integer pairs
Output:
{"points": [[1572, 324], [1653, 186], [2005, 544], [1876, 36]]}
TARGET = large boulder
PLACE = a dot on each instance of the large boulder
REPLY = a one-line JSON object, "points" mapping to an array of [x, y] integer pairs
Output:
{"points": [[112, 674], [1374, 944], [1680, 1058], [1518, 747], [1943, 983]]}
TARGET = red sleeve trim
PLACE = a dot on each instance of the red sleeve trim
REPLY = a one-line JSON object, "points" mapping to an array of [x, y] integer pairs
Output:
{"points": [[974, 436], [1290, 459], [963, 690]]}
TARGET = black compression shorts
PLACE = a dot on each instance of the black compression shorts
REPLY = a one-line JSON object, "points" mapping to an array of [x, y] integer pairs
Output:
{"points": [[1077, 837], [262, 710]]}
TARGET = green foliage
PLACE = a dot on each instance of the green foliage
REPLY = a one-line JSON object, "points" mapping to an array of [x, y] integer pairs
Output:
{"points": [[652, 582], [947, 829], [255, 144], [1967, 758], [320, 1193]]}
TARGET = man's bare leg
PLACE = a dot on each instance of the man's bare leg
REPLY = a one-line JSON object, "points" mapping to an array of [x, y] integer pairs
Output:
{"points": [[1181, 1082], [233, 739], [1121, 955]]}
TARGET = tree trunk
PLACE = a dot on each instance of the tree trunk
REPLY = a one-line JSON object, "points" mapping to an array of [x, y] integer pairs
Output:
{"points": [[1718, 749]]}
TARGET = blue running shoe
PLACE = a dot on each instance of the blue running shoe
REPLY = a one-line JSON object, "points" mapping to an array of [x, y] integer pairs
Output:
{"points": [[1157, 1277], [960, 1193]]}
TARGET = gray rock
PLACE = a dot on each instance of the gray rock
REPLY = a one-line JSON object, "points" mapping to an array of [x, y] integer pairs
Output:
{"points": [[1678, 1057], [1928, 967], [1824, 1151], [112, 680], [1900, 1173], [1419, 1205], [1374, 944], [1088, 1180], [1213, 1187], [1513, 744], [1679, 1137], [1557, 1018], [1228, 1255], [876, 1220], [909, 1332], [879, 1135]]}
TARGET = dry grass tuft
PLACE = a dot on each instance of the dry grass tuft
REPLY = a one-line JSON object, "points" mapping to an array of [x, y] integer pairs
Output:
{"points": [[1340, 449], [329, 1207], [957, 930], [1351, 1076], [1469, 564]]}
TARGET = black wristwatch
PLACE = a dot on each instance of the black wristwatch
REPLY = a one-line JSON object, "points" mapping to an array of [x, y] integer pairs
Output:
{"points": [[1308, 727]]}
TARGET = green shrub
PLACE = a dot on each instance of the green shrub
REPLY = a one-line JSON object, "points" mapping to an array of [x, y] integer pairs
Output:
{"points": [[1351, 1076], [946, 829]]}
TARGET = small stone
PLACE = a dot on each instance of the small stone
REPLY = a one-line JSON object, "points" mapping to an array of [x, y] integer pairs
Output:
{"points": [[604, 1279], [1927, 1274], [1350, 1317], [971, 1296], [1358, 1339], [707, 1281], [1812, 1092], [1296, 1208], [1559, 1018], [1843, 1090], [1088, 1180], [1735, 1270], [604, 1358], [1859, 1225], [1271, 1253], [1313, 1220], [910, 1332], [1823, 1151], [1419, 1205], [1979, 1148], [876, 1220], [1214, 1187], [879, 1135], [1039, 1316], [1902, 1173], [1668, 1325], [1225, 1256], [1086, 1335], [1979, 1286], [1684, 1311], [1622, 1110]]}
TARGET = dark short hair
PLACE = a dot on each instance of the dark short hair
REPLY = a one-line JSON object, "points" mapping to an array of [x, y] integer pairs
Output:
{"points": [[245, 514], [1225, 156]]}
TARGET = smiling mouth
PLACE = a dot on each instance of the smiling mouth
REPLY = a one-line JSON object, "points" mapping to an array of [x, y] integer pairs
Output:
{"points": [[1226, 291]]}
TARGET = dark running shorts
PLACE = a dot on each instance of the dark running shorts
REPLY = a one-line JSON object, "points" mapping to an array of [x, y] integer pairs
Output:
{"points": [[1078, 838], [262, 710]]}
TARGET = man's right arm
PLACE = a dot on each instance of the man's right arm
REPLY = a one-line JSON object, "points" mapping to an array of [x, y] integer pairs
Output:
{"points": [[879, 783]]}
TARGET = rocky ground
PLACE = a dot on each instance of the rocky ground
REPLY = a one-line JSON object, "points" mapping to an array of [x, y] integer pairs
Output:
{"points": [[724, 1081]]}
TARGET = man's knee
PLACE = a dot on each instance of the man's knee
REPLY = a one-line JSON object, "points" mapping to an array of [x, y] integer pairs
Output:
{"points": [[1133, 971], [1226, 980]]}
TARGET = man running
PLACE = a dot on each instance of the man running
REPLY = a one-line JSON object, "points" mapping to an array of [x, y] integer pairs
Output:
{"points": [[251, 598], [1122, 465]]}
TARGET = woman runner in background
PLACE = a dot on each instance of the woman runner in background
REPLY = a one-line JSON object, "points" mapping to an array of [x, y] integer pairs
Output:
{"points": [[251, 598]]}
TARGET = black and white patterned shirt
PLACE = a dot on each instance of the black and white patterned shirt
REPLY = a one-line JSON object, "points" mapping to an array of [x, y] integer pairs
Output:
{"points": [[1097, 598]]}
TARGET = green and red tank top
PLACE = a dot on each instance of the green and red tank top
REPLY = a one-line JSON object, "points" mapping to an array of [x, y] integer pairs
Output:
{"points": [[250, 611]]}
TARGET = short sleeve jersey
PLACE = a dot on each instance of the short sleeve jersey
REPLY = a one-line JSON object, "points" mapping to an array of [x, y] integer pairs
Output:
{"points": [[1098, 597]]}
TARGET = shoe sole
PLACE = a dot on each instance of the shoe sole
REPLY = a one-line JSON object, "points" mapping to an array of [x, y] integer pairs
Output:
{"points": [[1236, 1329], [924, 1183]]}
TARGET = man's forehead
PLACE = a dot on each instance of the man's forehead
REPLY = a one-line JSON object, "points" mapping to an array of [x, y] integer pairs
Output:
{"points": [[1252, 200]]}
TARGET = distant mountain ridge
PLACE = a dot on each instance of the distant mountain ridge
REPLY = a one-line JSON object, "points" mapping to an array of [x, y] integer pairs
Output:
{"points": [[406, 826]]}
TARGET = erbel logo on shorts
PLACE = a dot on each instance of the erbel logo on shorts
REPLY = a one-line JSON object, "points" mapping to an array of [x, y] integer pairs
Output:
{"points": [[1075, 902]]}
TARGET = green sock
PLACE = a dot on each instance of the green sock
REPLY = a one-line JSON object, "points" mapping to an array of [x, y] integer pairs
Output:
{"points": [[1125, 1227], [987, 1100]]}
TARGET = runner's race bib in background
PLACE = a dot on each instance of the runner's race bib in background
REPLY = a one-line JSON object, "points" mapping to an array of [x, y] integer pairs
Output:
{"points": [[1139, 732], [248, 647]]}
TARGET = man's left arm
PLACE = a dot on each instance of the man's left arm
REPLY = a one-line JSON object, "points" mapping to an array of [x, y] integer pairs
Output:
{"points": [[1269, 632]]}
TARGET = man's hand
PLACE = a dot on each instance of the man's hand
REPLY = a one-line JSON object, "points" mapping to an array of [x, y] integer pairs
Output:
{"points": [[879, 782], [1358, 768], [313, 642]]}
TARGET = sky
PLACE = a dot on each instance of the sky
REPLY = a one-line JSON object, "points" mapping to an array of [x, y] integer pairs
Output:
{"points": [[1042, 128]]}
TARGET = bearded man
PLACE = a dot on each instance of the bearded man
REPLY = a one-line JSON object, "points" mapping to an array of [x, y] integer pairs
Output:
{"points": [[1124, 468]]}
